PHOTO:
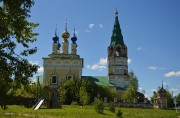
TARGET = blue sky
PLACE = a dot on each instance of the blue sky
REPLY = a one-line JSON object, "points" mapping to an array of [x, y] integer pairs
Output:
{"points": [[151, 31]]}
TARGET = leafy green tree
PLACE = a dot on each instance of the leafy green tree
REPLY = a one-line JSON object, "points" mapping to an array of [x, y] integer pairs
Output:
{"points": [[119, 114], [104, 91], [170, 102], [15, 30], [88, 90], [99, 106], [69, 91], [154, 95], [111, 107], [130, 94], [84, 96], [178, 99]]}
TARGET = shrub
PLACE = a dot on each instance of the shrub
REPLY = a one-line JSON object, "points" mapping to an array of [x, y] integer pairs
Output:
{"points": [[111, 107], [119, 114], [99, 106], [74, 103]]}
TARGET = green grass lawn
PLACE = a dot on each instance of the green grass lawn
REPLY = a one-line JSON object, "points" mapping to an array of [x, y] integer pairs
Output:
{"points": [[85, 112]]}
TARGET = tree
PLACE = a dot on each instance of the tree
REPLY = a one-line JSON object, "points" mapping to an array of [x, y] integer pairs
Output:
{"points": [[170, 102], [87, 92], [104, 91], [69, 91], [178, 99], [99, 106], [130, 94], [154, 95], [15, 30], [84, 96]]}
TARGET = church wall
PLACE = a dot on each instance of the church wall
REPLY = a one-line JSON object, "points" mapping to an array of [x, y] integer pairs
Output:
{"points": [[62, 68], [61, 75]]}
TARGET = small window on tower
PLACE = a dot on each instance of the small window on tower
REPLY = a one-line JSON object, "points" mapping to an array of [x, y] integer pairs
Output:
{"points": [[111, 51], [118, 51], [54, 80]]}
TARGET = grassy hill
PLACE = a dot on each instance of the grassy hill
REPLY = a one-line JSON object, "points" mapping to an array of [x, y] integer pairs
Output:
{"points": [[85, 112]]}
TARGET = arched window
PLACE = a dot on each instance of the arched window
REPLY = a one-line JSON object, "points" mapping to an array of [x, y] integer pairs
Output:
{"points": [[110, 51], [69, 76], [54, 79], [118, 51]]}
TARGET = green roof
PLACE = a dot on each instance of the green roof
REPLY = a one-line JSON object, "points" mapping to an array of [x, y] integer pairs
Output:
{"points": [[117, 38], [99, 80]]}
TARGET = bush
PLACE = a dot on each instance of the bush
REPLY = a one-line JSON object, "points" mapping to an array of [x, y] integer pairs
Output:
{"points": [[119, 114], [74, 103], [99, 106], [111, 107]]}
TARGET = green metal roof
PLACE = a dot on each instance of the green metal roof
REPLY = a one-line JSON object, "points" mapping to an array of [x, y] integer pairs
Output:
{"points": [[99, 80]]}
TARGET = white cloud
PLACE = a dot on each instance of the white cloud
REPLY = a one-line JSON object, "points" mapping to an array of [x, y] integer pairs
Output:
{"points": [[91, 26], [155, 68], [88, 66], [129, 61], [173, 89], [103, 61], [100, 25], [152, 68], [34, 62], [140, 89], [139, 48], [99, 65], [172, 74], [40, 69]]}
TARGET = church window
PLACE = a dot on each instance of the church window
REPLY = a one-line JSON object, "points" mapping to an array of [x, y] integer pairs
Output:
{"points": [[118, 51], [69, 76], [111, 51], [54, 79]]}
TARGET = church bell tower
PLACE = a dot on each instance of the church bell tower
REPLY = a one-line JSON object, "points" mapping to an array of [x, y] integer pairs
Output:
{"points": [[117, 58]]}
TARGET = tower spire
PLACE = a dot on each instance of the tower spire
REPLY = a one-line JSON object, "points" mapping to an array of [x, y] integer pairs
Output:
{"points": [[116, 13], [74, 38], [73, 45], [117, 38], [66, 26], [162, 84], [65, 34], [56, 30], [74, 33]]}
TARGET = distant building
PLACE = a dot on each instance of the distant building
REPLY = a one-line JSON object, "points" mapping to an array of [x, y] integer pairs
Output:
{"points": [[60, 66], [161, 101], [117, 58]]}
